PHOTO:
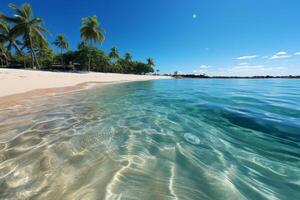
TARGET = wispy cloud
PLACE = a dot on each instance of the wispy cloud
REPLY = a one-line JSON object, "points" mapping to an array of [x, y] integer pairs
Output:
{"points": [[205, 67], [244, 63], [297, 54], [246, 57], [255, 68], [252, 70], [244, 70], [202, 69], [280, 55]]}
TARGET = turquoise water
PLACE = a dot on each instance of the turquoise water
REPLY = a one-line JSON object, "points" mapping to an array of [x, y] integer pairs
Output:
{"points": [[165, 139]]}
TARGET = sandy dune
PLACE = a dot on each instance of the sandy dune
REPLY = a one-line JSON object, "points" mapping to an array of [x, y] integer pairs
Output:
{"points": [[13, 81]]}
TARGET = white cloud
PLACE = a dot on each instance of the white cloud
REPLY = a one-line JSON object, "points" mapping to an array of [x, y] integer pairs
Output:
{"points": [[204, 67], [247, 67], [198, 71], [280, 55], [251, 70], [255, 68], [246, 57], [242, 69], [297, 54]]}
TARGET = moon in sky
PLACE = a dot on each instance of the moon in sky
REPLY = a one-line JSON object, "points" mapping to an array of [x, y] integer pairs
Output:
{"points": [[194, 16]]}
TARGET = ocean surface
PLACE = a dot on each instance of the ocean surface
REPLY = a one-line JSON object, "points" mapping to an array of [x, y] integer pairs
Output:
{"points": [[166, 139]]}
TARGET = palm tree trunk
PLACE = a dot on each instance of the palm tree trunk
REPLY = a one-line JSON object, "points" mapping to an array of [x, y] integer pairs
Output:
{"points": [[33, 56], [89, 63], [31, 53], [24, 62], [1, 62], [62, 56], [36, 60], [90, 55], [6, 61]]}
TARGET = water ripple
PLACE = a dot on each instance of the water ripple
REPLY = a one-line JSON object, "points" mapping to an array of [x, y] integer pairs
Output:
{"points": [[167, 139]]}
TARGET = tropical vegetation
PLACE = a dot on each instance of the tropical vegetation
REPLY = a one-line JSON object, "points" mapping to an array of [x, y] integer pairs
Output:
{"points": [[62, 43], [24, 43]]}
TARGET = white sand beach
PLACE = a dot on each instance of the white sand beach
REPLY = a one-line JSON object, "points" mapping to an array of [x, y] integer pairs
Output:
{"points": [[15, 81]]}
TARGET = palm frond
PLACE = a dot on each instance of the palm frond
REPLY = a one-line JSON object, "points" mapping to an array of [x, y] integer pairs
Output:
{"points": [[4, 27], [90, 30], [9, 19], [18, 29]]}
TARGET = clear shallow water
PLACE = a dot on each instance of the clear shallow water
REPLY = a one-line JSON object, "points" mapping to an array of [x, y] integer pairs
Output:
{"points": [[166, 139]]}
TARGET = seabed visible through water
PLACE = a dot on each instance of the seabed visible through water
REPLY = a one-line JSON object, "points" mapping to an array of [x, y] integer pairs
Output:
{"points": [[165, 139]]}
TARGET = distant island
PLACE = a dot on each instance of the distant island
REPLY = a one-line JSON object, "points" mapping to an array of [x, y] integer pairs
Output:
{"points": [[175, 75]]}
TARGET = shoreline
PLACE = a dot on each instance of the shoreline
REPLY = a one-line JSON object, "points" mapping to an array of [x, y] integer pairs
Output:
{"points": [[18, 85]]}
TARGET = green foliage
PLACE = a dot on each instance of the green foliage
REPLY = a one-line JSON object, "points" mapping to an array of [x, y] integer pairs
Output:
{"points": [[8, 41], [113, 54], [28, 27], [22, 59], [142, 68], [150, 62], [23, 43], [62, 43], [46, 56], [128, 57], [90, 30]]}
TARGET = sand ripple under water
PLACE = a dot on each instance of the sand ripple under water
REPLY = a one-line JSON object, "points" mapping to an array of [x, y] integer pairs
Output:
{"points": [[166, 139]]}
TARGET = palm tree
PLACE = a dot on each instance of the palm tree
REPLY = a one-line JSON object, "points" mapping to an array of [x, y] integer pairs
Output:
{"points": [[113, 54], [27, 26], [91, 32], [150, 62], [128, 57], [62, 43], [10, 39]]}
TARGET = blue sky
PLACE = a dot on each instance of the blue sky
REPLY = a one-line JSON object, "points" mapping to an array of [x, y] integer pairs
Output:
{"points": [[216, 37]]}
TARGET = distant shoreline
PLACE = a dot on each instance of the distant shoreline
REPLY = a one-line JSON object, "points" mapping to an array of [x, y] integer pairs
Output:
{"points": [[234, 77]]}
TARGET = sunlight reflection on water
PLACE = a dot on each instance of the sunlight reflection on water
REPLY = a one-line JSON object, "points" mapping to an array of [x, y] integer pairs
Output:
{"points": [[166, 139]]}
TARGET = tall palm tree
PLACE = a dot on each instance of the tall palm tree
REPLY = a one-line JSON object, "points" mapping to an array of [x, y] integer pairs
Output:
{"points": [[150, 62], [8, 42], [26, 25], [128, 57], [113, 54], [10, 39], [62, 43], [91, 32]]}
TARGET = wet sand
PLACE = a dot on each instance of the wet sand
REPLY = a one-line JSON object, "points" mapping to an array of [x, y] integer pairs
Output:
{"points": [[17, 86]]}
